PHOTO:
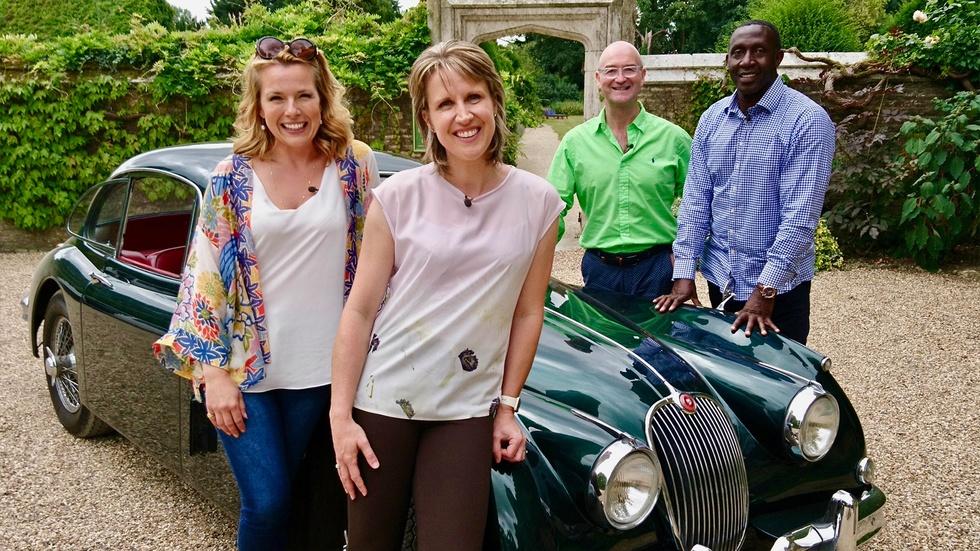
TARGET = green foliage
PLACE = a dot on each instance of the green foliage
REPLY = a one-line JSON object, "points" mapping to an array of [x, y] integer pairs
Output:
{"points": [[568, 107], [810, 25], [947, 43], [76, 106], [829, 255], [230, 12], [941, 158], [866, 186], [554, 88], [705, 91], [517, 70], [868, 17], [559, 63], [686, 26], [920, 203], [53, 18], [901, 19]]}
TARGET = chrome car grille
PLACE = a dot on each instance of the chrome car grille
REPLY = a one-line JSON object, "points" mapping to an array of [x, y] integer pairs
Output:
{"points": [[704, 473]]}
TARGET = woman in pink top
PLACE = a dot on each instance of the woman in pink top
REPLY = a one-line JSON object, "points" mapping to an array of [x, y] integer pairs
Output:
{"points": [[459, 252]]}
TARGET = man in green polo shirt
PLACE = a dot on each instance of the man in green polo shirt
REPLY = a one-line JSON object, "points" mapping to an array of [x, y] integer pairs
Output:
{"points": [[626, 167]]}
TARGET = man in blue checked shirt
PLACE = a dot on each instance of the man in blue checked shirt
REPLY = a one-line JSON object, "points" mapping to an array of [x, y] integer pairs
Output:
{"points": [[760, 163]]}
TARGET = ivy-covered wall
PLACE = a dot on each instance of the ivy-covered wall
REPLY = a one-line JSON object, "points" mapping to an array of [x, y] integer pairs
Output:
{"points": [[75, 107]]}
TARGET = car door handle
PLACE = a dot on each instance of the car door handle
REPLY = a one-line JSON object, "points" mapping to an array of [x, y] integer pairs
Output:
{"points": [[100, 279]]}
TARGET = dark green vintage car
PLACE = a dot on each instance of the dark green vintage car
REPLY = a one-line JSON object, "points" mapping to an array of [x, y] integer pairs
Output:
{"points": [[645, 430]]}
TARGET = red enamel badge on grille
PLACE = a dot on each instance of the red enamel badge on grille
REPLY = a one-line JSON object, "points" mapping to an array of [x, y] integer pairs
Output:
{"points": [[687, 403]]}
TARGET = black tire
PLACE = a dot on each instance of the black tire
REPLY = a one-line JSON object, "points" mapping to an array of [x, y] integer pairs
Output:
{"points": [[60, 371]]}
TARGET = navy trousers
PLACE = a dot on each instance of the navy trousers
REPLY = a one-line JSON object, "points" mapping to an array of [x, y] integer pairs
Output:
{"points": [[648, 278]]}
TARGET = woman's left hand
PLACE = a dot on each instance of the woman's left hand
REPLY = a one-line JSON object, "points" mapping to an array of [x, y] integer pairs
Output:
{"points": [[509, 443]]}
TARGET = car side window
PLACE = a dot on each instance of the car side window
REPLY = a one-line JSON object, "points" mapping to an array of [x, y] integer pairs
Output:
{"points": [[158, 224], [106, 204]]}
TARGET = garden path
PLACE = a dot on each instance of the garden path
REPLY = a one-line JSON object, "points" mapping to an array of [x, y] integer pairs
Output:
{"points": [[538, 146]]}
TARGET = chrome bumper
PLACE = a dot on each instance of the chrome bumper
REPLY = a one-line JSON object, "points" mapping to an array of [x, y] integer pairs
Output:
{"points": [[25, 307], [843, 528]]}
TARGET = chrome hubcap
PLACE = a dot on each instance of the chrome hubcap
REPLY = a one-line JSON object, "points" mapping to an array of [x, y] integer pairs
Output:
{"points": [[60, 365]]}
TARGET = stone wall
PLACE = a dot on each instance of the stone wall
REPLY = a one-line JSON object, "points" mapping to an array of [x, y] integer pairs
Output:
{"points": [[667, 89]]}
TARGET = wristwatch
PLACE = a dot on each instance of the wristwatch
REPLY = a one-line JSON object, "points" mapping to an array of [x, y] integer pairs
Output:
{"points": [[766, 292], [513, 402]]}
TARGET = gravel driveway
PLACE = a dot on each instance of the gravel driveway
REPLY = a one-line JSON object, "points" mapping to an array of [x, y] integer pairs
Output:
{"points": [[905, 344]]}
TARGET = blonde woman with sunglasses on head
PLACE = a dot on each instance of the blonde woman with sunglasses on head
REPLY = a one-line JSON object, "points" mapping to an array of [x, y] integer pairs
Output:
{"points": [[289, 206]]}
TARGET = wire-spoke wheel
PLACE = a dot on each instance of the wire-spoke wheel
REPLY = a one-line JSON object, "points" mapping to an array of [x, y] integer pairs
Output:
{"points": [[61, 372]]}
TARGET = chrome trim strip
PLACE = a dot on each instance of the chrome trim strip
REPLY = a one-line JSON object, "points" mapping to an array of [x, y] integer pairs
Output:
{"points": [[798, 378], [601, 424]]}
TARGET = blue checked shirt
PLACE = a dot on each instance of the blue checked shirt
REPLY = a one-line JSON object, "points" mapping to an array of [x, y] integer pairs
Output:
{"points": [[754, 193]]}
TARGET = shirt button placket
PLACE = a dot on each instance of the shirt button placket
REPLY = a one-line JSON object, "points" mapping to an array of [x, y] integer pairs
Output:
{"points": [[624, 209]]}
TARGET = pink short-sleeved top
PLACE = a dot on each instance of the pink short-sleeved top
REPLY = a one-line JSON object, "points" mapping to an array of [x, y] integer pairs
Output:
{"points": [[439, 343]]}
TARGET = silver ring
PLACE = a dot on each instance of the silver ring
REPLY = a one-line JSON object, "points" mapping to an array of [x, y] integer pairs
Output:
{"points": [[336, 466]]}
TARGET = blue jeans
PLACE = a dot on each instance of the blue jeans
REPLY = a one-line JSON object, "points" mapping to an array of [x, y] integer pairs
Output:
{"points": [[264, 460], [648, 278]]}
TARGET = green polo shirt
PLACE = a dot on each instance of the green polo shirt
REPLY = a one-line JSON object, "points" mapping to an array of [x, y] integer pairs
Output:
{"points": [[626, 197]]}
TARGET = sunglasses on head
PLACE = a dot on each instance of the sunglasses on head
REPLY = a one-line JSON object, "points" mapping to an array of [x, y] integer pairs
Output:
{"points": [[268, 47]]}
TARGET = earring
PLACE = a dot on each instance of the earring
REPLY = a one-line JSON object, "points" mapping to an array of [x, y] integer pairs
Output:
{"points": [[262, 126]]}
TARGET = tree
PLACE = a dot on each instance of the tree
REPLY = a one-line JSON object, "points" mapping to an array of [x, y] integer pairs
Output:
{"points": [[49, 18], [227, 11], [558, 67], [686, 26]]}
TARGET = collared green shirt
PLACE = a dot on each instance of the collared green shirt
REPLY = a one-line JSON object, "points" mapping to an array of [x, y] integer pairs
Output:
{"points": [[626, 198]]}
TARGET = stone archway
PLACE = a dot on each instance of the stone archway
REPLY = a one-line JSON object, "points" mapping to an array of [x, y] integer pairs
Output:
{"points": [[594, 23]]}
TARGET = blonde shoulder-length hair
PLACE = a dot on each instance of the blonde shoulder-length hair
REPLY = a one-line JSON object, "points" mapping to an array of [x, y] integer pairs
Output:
{"points": [[470, 61], [334, 135]]}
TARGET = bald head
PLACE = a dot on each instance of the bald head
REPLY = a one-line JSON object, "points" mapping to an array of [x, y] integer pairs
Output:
{"points": [[620, 50], [620, 76]]}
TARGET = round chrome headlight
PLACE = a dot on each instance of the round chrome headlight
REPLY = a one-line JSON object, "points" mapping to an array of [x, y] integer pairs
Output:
{"points": [[812, 421], [626, 482]]}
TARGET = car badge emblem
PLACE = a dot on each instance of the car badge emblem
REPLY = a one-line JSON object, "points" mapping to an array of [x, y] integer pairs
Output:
{"points": [[687, 403]]}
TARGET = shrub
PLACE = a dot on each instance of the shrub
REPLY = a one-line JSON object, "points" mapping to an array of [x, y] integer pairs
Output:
{"points": [[868, 16], [829, 255], [568, 107], [810, 25], [948, 42], [901, 20], [51, 18], [76, 106], [941, 161], [553, 88]]}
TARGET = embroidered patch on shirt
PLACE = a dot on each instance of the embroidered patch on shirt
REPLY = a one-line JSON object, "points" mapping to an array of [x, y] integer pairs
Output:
{"points": [[468, 360]]}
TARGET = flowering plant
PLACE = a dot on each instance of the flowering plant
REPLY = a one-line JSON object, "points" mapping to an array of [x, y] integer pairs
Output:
{"points": [[952, 48]]}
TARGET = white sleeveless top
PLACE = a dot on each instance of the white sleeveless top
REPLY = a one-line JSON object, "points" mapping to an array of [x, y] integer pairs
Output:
{"points": [[439, 343], [301, 260]]}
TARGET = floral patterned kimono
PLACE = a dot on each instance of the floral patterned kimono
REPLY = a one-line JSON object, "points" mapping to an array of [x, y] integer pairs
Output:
{"points": [[220, 316]]}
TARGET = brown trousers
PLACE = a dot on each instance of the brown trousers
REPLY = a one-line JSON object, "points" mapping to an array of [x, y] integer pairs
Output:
{"points": [[444, 465]]}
